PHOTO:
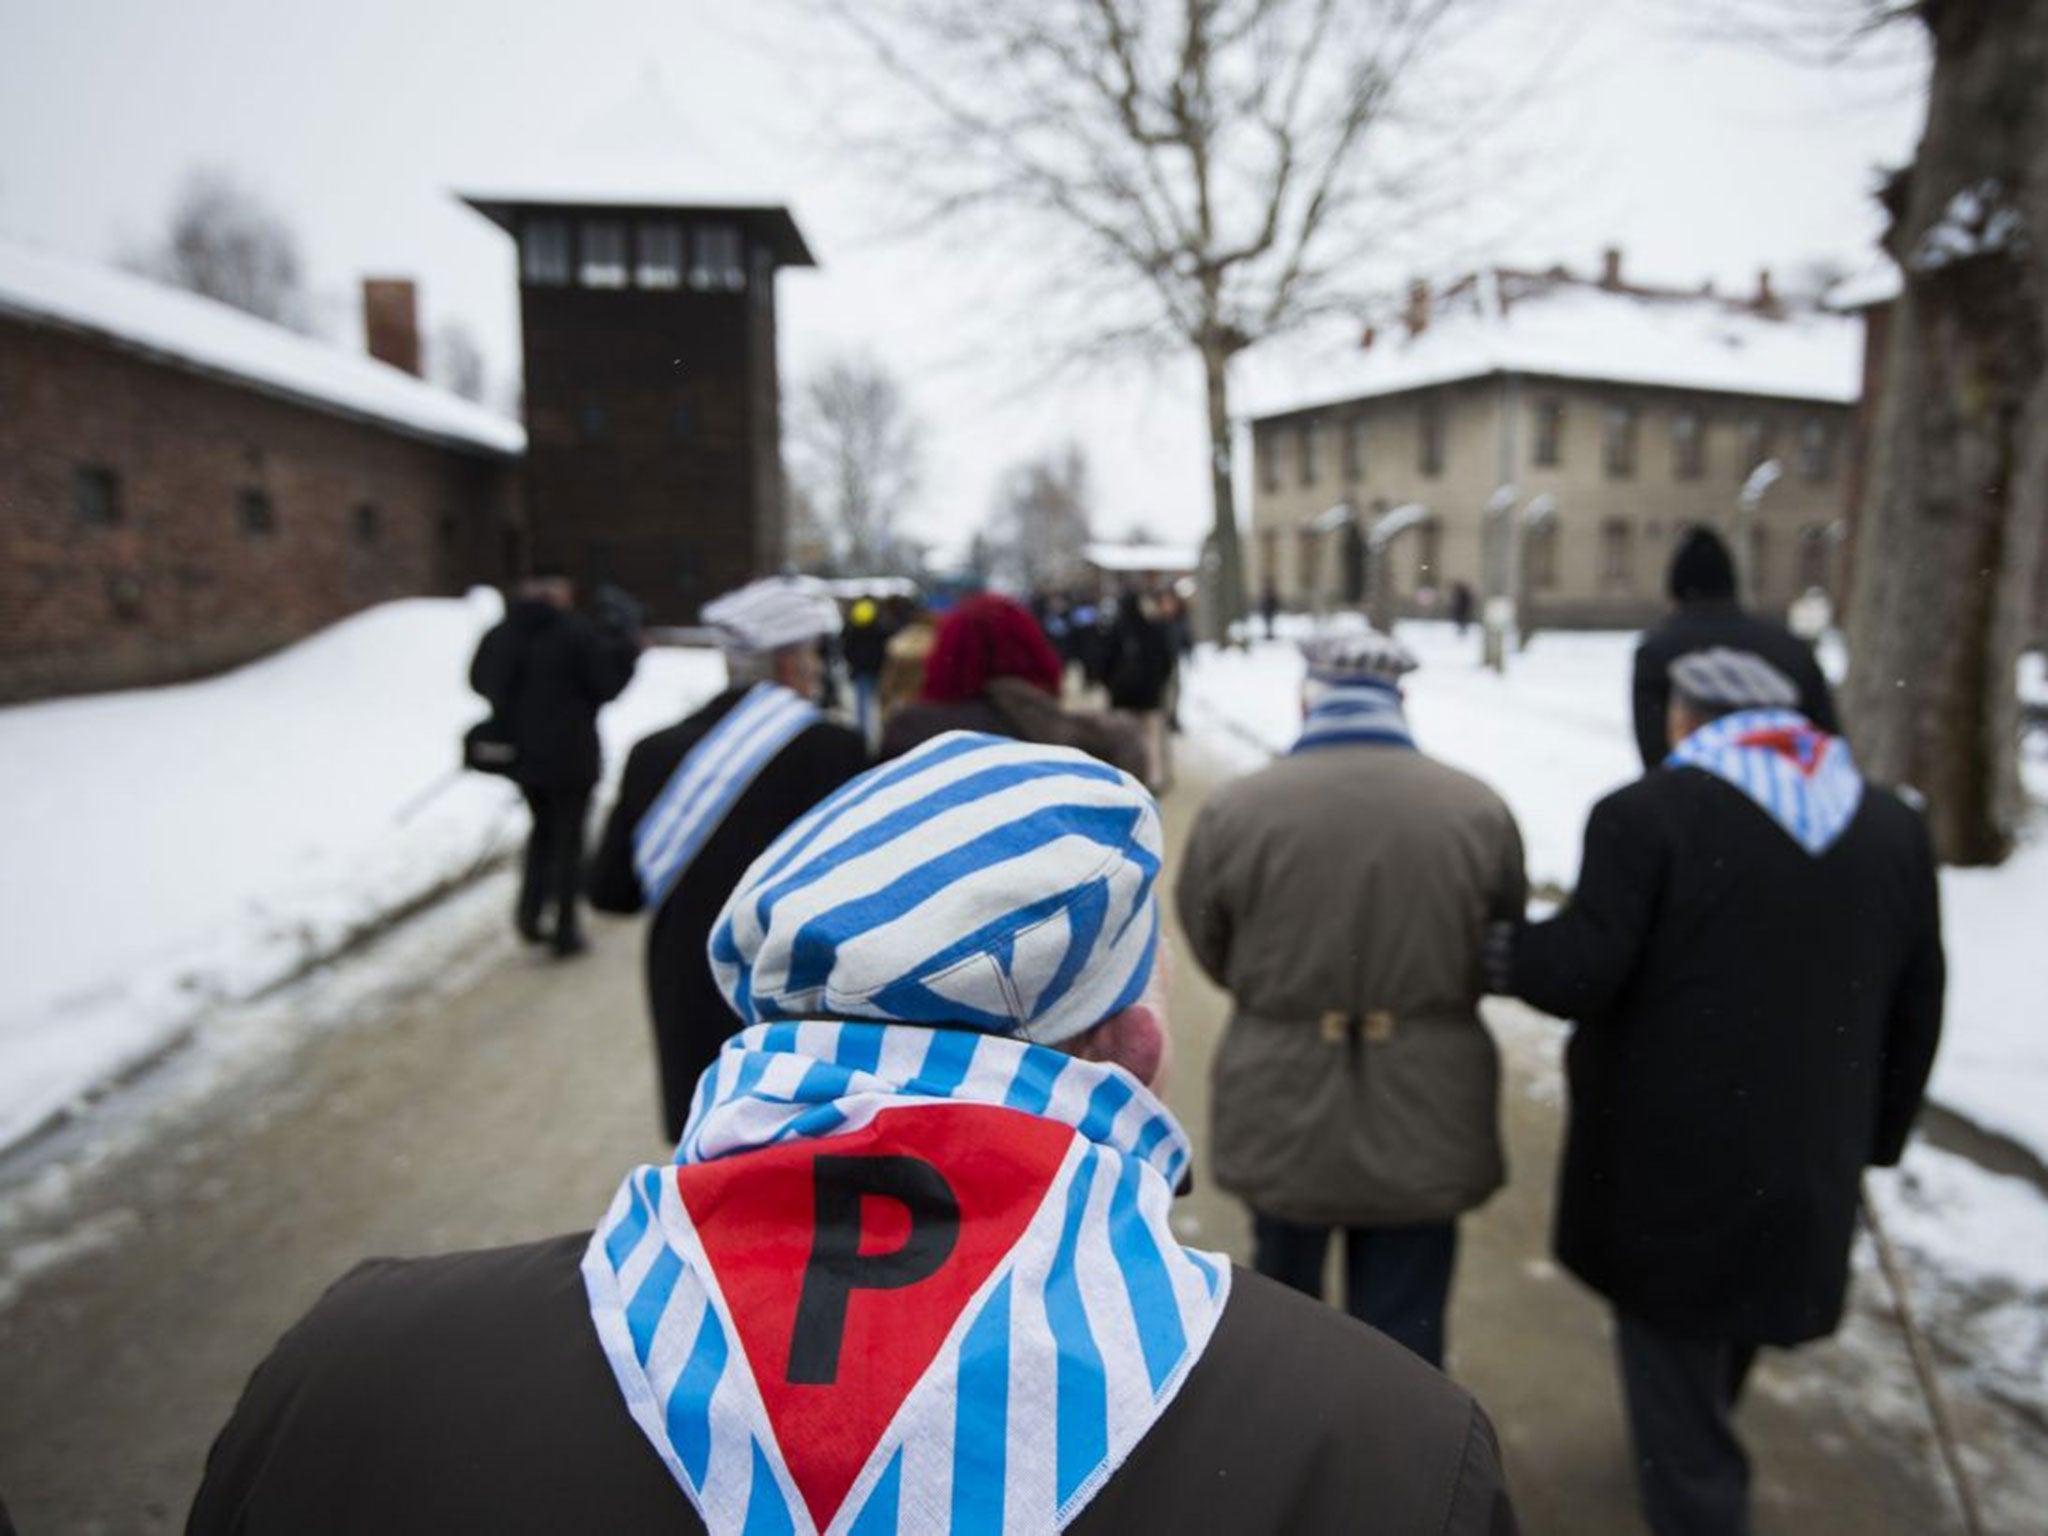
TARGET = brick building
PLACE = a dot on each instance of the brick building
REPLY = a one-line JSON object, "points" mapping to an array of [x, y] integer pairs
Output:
{"points": [[652, 399], [184, 487], [1596, 417]]}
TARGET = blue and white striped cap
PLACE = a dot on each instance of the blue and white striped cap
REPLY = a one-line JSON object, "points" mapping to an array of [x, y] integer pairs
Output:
{"points": [[978, 882], [1339, 657], [1723, 678]]}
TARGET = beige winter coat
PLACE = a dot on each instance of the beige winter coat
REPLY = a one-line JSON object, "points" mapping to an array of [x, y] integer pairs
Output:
{"points": [[1341, 896]]}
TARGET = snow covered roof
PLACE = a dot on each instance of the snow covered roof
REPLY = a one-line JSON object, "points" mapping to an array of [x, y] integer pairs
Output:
{"points": [[1141, 557], [205, 336], [1878, 283], [1575, 330]]}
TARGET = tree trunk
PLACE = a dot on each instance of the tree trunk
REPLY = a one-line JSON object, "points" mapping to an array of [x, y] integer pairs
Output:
{"points": [[1956, 500], [1223, 488]]}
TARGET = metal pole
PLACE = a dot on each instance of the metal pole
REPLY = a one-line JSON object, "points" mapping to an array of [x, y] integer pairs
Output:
{"points": [[1923, 1367]]}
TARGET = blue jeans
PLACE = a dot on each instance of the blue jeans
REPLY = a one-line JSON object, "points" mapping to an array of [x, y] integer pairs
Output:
{"points": [[1398, 1279], [864, 706]]}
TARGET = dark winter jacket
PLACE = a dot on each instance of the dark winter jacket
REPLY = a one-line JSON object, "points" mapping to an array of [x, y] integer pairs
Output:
{"points": [[1012, 707], [1700, 625], [470, 1393], [1755, 1025], [546, 674], [1138, 659], [691, 1019], [865, 646]]}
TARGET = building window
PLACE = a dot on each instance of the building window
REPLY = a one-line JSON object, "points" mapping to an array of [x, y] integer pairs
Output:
{"points": [[1756, 444], [1354, 449], [254, 514], [1813, 558], [1617, 552], [366, 523], [544, 252], [1688, 446], [1306, 573], [660, 254], [1618, 438], [1430, 433], [1429, 549], [1759, 560], [718, 258], [603, 263], [1816, 449], [1539, 554], [97, 491], [1266, 449], [1549, 433], [1269, 560], [1310, 444]]}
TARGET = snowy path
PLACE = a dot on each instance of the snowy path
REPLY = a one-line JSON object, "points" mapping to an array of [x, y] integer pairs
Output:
{"points": [[501, 1097]]}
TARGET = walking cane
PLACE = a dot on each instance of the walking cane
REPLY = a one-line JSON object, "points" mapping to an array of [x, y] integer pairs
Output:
{"points": [[425, 797], [1923, 1367]]}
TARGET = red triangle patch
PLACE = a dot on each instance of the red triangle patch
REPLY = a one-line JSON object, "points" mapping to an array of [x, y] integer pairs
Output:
{"points": [[840, 1320]]}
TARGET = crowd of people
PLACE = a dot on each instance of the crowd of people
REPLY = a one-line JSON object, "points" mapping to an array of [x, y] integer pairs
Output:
{"points": [[911, 1267]]}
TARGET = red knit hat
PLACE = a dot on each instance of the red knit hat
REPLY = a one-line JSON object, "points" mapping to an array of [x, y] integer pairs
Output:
{"points": [[985, 638]]}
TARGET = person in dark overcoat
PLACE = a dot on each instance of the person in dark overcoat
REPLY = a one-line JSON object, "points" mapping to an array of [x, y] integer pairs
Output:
{"points": [[834, 1309], [1753, 962], [770, 632], [1705, 614], [547, 672]]}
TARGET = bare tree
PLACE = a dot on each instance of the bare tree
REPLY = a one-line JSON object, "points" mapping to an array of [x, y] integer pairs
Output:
{"points": [[1955, 503], [226, 243], [1219, 170], [455, 360], [1038, 535], [855, 448]]}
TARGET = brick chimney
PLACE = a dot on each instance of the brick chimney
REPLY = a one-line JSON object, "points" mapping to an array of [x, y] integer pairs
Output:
{"points": [[1766, 300], [391, 321], [1610, 267], [1416, 317]]}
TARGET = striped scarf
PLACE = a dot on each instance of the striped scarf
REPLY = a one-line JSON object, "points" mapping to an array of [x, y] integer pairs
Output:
{"points": [[1354, 713], [1004, 1349], [710, 779], [1803, 778]]}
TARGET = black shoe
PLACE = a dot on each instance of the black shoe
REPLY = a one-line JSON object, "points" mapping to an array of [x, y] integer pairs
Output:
{"points": [[568, 944], [530, 930]]}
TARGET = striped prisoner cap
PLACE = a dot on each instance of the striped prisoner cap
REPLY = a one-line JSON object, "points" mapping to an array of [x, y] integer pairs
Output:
{"points": [[769, 614], [1726, 679], [1357, 656], [978, 882]]}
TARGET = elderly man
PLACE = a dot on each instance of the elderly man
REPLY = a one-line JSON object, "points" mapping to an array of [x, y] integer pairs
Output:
{"points": [[1342, 896], [699, 800], [1753, 958], [911, 1269]]}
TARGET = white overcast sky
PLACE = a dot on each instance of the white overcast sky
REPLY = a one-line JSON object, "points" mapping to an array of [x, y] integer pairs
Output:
{"points": [[356, 121]]}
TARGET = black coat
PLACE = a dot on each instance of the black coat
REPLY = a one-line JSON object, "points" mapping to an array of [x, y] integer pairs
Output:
{"points": [[1137, 662], [691, 1019], [469, 1393], [546, 674], [1700, 626], [1755, 1025]]}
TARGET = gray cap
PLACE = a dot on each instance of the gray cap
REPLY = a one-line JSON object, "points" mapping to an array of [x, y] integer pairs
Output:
{"points": [[1722, 678], [1357, 656]]}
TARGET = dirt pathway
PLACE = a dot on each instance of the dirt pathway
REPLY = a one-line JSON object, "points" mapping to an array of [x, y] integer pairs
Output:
{"points": [[506, 1107]]}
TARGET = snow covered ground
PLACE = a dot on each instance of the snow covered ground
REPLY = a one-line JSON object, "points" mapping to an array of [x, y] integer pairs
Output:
{"points": [[173, 849], [1554, 735]]}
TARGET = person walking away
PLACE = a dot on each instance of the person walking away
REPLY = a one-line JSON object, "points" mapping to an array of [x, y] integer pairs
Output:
{"points": [[911, 1268], [1269, 608], [1342, 897], [865, 643], [1706, 615], [700, 800], [991, 669], [1753, 962], [1461, 606], [1138, 666], [547, 672]]}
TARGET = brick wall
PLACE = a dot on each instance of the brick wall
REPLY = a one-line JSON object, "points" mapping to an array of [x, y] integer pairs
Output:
{"points": [[159, 566]]}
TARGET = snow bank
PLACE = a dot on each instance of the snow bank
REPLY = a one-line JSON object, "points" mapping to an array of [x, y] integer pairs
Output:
{"points": [[173, 847], [1554, 735]]}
